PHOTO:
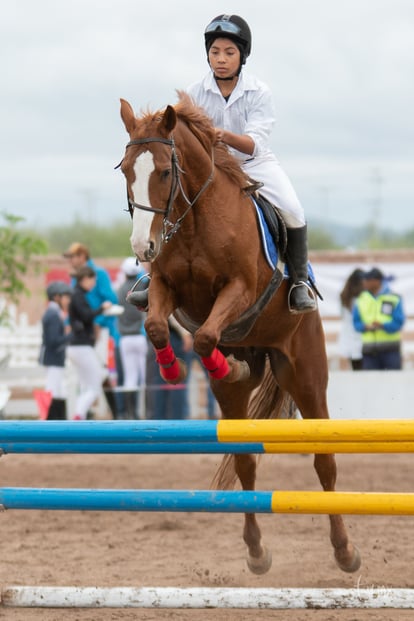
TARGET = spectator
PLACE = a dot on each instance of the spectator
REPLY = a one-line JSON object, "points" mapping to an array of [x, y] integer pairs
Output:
{"points": [[171, 401], [79, 256], [133, 344], [81, 349], [349, 341], [210, 398], [378, 315], [53, 351]]}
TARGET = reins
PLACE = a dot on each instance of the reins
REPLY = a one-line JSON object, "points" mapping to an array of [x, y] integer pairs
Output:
{"points": [[170, 228]]}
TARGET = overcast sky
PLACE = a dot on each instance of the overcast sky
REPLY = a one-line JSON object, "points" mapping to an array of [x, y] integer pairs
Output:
{"points": [[341, 73]]}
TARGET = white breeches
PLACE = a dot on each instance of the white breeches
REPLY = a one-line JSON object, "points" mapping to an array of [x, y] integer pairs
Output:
{"points": [[55, 382], [277, 188], [91, 374], [133, 350]]}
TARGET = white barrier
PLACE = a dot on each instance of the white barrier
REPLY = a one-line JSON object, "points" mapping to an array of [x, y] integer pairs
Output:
{"points": [[371, 394], [205, 597]]}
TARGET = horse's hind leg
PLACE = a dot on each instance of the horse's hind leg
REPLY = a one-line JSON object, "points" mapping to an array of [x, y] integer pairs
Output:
{"points": [[309, 394], [259, 558], [346, 554], [233, 400]]}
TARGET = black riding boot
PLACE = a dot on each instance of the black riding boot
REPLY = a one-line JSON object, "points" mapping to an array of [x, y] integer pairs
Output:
{"points": [[139, 299], [138, 296], [57, 410], [301, 296]]}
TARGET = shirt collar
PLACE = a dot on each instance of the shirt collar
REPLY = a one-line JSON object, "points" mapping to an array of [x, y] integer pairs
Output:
{"points": [[244, 83]]}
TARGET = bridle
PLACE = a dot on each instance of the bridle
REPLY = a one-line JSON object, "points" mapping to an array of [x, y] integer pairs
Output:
{"points": [[169, 228]]}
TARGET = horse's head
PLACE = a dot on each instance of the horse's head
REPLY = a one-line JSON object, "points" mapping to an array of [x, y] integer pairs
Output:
{"points": [[150, 173]]}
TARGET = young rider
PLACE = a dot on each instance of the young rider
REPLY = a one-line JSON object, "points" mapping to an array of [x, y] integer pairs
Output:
{"points": [[242, 111]]}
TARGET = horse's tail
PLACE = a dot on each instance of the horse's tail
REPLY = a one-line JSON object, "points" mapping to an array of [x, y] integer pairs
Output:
{"points": [[267, 401]]}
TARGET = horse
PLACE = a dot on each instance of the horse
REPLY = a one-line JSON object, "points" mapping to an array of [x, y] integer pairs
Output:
{"points": [[194, 221]]}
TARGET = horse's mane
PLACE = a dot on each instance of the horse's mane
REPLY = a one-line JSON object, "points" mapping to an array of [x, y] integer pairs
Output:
{"points": [[201, 126]]}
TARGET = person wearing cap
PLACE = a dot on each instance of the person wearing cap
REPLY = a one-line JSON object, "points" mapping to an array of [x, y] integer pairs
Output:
{"points": [[133, 343], [241, 109], [53, 349], [378, 315], [79, 256]]}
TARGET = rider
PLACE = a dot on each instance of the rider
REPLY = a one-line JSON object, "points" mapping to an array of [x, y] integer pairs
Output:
{"points": [[242, 111]]}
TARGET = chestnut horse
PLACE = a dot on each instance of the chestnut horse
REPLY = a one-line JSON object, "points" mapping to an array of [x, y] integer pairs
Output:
{"points": [[194, 221]]}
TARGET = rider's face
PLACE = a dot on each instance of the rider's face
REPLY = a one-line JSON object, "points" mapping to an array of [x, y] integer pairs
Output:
{"points": [[224, 58]]}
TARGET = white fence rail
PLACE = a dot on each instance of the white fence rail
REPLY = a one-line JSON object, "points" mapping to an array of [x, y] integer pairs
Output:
{"points": [[20, 373]]}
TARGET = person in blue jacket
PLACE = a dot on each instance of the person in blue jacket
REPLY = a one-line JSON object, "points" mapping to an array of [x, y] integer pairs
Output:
{"points": [[378, 314], [79, 256]]}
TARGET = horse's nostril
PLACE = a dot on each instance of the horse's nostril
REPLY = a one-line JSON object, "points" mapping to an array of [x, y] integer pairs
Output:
{"points": [[150, 251]]}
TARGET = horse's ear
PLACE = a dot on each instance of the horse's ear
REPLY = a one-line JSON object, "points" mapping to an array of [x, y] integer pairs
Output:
{"points": [[128, 116], [169, 120]]}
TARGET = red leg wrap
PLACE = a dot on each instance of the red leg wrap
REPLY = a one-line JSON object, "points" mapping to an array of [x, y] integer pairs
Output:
{"points": [[216, 365], [169, 367]]}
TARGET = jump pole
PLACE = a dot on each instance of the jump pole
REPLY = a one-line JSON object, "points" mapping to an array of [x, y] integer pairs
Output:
{"points": [[204, 597], [263, 431], [207, 501], [189, 448]]}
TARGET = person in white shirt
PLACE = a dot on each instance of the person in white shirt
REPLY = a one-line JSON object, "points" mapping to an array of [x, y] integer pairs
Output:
{"points": [[349, 340], [241, 109]]}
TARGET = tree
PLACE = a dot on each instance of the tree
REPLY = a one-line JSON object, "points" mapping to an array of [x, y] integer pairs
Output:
{"points": [[110, 239], [16, 251], [319, 239]]}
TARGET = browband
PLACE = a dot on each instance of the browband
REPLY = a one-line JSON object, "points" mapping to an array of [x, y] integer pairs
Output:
{"points": [[153, 139]]}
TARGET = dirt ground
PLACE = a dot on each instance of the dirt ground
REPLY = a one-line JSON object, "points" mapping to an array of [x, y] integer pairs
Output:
{"points": [[196, 549]]}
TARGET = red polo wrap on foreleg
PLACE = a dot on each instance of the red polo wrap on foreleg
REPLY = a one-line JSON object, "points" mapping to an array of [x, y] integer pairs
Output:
{"points": [[169, 367], [216, 364]]}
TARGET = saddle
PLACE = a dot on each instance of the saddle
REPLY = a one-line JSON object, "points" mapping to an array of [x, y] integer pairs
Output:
{"points": [[275, 223], [274, 233]]}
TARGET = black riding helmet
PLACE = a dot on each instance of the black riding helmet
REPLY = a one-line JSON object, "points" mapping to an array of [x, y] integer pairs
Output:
{"points": [[231, 27]]}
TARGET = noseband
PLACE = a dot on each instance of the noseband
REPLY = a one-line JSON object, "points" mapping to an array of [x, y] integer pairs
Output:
{"points": [[169, 228]]}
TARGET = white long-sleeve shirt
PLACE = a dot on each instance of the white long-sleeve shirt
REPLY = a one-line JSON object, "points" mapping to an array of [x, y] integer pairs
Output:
{"points": [[249, 111]]}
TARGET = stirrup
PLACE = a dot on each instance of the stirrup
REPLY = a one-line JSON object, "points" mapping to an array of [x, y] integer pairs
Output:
{"points": [[312, 298]]}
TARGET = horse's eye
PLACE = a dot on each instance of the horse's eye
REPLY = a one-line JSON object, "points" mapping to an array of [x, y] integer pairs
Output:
{"points": [[165, 174]]}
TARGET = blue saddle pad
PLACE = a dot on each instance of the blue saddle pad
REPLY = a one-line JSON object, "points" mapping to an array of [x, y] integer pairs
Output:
{"points": [[270, 249]]}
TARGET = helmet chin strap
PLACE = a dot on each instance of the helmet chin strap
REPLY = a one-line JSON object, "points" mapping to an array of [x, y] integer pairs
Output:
{"points": [[216, 77], [230, 78]]}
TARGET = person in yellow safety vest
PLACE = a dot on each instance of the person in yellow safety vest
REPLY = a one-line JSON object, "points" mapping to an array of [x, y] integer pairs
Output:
{"points": [[379, 315]]}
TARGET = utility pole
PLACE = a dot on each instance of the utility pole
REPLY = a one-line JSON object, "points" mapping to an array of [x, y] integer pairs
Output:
{"points": [[377, 181]]}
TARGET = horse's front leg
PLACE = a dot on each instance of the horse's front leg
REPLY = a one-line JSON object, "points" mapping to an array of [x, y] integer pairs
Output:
{"points": [[229, 305], [172, 369]]}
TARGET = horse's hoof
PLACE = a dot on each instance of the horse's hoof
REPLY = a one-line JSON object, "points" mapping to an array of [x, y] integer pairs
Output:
{"points": [[239, 370], [260, 565], [348, 561], [182, 373]]}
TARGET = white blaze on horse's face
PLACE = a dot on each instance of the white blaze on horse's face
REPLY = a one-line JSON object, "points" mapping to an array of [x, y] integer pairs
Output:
{"points": [[141, 221]]}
